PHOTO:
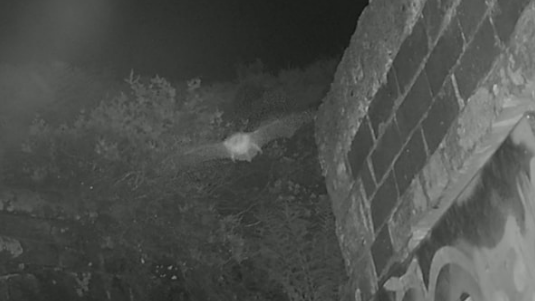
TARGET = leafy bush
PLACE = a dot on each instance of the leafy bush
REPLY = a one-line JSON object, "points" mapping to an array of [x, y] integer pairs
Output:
{"points": [[219, 230], [297, 246], [260, 94]]}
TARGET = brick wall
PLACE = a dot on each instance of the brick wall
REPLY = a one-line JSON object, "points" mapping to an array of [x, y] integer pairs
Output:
{"points": [[410, 135]]}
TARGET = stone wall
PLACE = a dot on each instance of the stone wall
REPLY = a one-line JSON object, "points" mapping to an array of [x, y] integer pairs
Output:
{"points": [[416, 92]]}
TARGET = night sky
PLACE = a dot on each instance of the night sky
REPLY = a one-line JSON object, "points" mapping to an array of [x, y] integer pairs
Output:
{"points": [[179, 39]]}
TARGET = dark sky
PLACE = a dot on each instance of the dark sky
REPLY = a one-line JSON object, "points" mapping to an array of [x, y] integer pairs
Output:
{"points": [[181, 38]]}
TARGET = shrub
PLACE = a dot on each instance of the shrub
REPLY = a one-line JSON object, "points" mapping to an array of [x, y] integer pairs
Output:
{"points": [[215, 231]]}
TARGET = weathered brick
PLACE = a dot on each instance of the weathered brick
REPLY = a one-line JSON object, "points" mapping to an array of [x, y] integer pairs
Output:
{"points": [[340, 209], [414, 106], [367, 180], [506, 15], [469, 127], [367, 278], [382, 250], [384, 201], [435, 177], [434, 12], [387, 148], [382, 105], [400, 225], [412, 203], [444, 56], [477, 60], [357, 229], [443, 112], [470, 14], [360, 147], [410, 161], [410, 56]]}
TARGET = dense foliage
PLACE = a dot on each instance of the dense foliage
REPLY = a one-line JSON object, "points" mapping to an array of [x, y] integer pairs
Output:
{"points": [[217, 231]]}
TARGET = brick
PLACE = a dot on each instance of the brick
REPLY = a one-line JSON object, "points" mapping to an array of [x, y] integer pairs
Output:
{"points": [[434, 12], [367, 180], [382, 250], [383, 103], [411, 160], [443, 112], [470, 14], [410, 56], [444, 56], [367, 278], [357, 229], [384, 201], [435, 177], [400, 225], [340, 206], [412, 204], [414, 106], [419, 198], [506, 15], [387, 148], [360, 147], [364, 219], [477, 60]]}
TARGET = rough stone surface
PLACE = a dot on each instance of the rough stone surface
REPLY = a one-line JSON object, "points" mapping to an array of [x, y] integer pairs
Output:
{"points": [[413, 204], [444, 56], [469, 76], [384, 103], [477, 60], [441, 115], [411, 55], [380, 30], [360, 148], [435, 178]]}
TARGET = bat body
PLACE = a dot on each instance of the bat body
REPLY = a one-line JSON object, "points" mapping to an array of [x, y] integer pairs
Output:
{"points": [[245, 146]]}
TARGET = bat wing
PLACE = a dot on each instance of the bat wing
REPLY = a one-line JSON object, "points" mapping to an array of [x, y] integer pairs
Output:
{"points": [[281, 128], [199, 154]]}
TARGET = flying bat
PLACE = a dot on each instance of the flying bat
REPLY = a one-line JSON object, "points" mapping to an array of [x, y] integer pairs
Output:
{"points": [[244, 146]]}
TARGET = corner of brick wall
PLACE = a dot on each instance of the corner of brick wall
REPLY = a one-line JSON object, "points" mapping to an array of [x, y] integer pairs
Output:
{"points": [[379, 33], [392, 158]]}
